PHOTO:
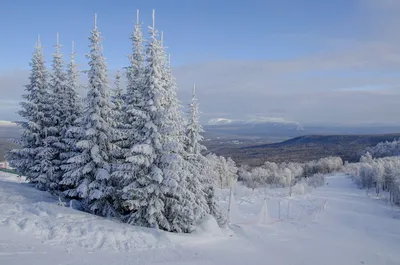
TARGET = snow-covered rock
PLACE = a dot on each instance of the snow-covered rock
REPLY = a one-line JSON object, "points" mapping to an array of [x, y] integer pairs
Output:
{"points": [[208, 226]]}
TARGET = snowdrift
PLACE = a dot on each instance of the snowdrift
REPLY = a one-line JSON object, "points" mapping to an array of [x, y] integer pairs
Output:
{"points": [[36, 213]]}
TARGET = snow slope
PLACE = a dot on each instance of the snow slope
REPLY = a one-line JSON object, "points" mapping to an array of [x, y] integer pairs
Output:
{"points": [[336, 224]]}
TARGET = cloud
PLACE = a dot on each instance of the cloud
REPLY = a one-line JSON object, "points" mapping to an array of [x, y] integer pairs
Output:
{"points": [[321, 88], [250, 120], [7, 124], [353, 80]]}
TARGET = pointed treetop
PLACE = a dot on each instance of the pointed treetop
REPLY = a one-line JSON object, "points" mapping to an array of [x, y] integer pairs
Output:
{"points": [[38, 41], [137, 16], [153, 18], [162, 38], [194, 91], [117, 78], [153, 23], [57, 41], [95, 21], [73, 47]]}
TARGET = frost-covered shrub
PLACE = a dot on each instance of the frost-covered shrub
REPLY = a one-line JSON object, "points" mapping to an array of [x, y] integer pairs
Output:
{"points": [[385, 149], [380, 173], [224, 170], [316, 180], [301, 188], [288, 174]]}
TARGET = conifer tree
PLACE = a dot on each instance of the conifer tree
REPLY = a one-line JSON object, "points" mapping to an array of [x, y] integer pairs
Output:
{"points": [[90, 169], [135, 71], [144, 192], [72, 133], [209, 168], [136, 154], [155, 194], [59, 116], [35, 113], [74, 102], [197, 183], [182, 204], [202, 176], [194, 128], [117, 101]]}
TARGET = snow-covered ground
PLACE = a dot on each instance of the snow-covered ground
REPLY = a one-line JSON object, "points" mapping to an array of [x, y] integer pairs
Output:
{"points": [[335, 224]]}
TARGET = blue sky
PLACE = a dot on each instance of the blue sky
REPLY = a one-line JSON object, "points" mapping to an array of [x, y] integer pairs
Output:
{"points": [[308, 61], [195, 31]]}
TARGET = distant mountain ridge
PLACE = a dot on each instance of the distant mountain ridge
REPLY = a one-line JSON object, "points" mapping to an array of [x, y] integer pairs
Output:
{"points": [[254, 120], [335, 139], [306, 148], [283, 130], [253, 128]]}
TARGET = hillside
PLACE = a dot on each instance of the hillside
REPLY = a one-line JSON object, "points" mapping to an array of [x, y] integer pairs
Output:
{"points": [[306, 148], [35, 230]]}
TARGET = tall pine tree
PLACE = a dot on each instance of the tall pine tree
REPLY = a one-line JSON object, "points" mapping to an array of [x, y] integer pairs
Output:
{"points": [[73, 133], [154, 192], [74, 102], [201, 164], [144, 189], [194, 128], [32, 160], [117, 101], [136, 154], [58, 87], [197, 183], [90, 169], [180, 204]]}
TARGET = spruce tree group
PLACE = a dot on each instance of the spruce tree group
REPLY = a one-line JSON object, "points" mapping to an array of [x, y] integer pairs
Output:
{"points": [[130, 155]]}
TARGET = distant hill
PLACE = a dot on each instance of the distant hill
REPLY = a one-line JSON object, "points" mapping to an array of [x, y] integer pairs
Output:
{"points": [[306, 148], [335, 140], [246, 144], [285, 130]]}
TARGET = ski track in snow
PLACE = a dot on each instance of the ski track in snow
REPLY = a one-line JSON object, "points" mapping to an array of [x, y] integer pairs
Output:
{"points": [[335, 224]]}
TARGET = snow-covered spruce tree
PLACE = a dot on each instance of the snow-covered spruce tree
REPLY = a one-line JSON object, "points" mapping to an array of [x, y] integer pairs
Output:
{"points": [[201, 164], [90, 169], [135, 71], [117, 101], [32, 159], [199, 182], [192, 196], [58, 87], [194, 128], [74, 106], [136, 152], [117, 104], [72, 134], [156, 194]]}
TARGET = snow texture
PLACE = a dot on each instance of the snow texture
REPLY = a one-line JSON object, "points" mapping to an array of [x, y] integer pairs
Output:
{"points": [[338, 224]]}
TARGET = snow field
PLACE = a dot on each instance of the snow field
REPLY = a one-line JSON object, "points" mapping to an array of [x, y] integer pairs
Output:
{"points": [[36, 213], [248, 206], [334, 224], [32, 212]]}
